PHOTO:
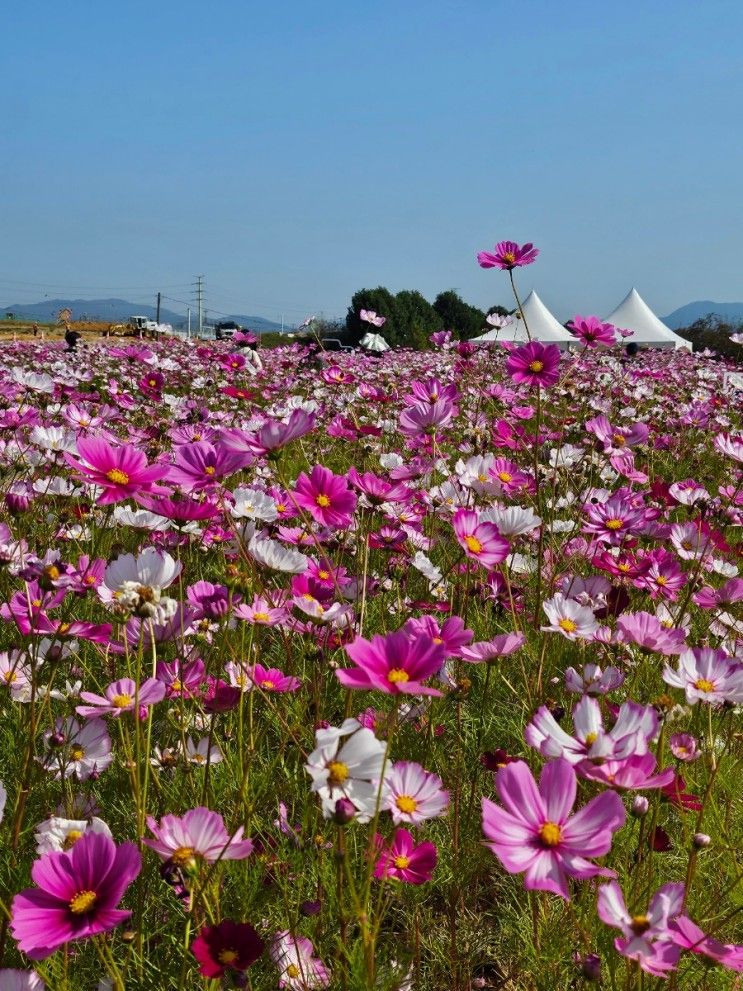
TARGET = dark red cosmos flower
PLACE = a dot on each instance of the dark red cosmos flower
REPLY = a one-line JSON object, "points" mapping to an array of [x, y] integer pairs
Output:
{"points": [[227, 946]]}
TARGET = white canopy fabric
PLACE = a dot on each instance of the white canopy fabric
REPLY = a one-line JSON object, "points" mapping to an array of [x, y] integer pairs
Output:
{"points": [[374, 342], [633, 313], [542, 327]]}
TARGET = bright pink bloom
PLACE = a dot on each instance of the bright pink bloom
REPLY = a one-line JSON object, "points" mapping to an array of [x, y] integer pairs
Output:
{"points": [[534, 364], [326, 497], [535, 832], [689, 936], [593, 331], [272, 680], [197, 834], [684, 747], [633, 774], [120, 471], [487, 650], [451, 634], [647, 631], [508, 255], [76, 895], [481, 541], [393, 664], [261, 612], [201, 465], [121, 696], [426, 418], [402, 860]]}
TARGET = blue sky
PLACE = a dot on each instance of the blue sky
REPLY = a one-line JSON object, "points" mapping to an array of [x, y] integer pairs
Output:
{"points": [[295, 152]]}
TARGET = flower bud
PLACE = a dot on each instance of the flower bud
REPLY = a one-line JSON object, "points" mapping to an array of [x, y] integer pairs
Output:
{"points": [[640, 806], [701, 840], [310, 908], [345, 811], [590, 966]]}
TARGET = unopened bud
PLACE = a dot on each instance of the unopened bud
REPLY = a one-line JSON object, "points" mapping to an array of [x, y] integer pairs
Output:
{"points": [[345, 811], [590, 966], [640, 806], [701, 840], [310, 908]]}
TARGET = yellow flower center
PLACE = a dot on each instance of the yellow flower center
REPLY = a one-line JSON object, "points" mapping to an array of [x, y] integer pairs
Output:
{"points": [[122, 701], [176, 686], [401, 862], [227, 956], [550, 834], [614, 524], [36, 603], [619, 439], [268, 685], [82, 902], [261, 617], [52, 572], [473, 544], [591, 739], [398, 675], [324, 575], [9, 677], [640, 924], [536, 366], [406, 803], [323, 501], [660, 580], [569, 625], [280, 507], [704, 685], [505, 476], [117, 476], [338, 773], [209, 470], [509, 258], [71, 839], [292, 970], [77, 753], [183, 855]]}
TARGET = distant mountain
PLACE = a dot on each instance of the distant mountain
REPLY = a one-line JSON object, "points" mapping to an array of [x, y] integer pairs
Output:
{"points": [[686, 315], [118, 311]]}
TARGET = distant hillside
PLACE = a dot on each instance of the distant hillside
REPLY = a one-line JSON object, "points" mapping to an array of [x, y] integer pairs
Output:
{"points": [[686, 315], [118, 311]]}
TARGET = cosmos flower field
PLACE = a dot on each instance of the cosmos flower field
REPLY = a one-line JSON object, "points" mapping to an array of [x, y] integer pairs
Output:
{"points": [[417, 671]]}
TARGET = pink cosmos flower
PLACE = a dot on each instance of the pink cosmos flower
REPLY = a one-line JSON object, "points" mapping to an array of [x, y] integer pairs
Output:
{"points": [[393, 664], [684, 747], [707, 675], [120, 471], [593, 331], [534, 364], [272, 680], [261, 613], [426, 418], [616, 439], [569, 618], [414, 795], [631, 774], [403, 860], [645, 938], [689, 936], [201, 465], [121, 696], [536, 834], [592, 680], [76, 895], [633, 729], [273, 435], [647, 631], [487, 650], [299, 968], [369, 316], [326, 497], [614, 519], [451, 634], [481, 541], [198, 834], [508, 255]]}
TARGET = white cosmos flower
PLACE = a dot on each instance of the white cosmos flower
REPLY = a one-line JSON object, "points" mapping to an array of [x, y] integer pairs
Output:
{"points": [[57, 834], [152, 568], [568, 617], [53, 438], [512, 521], [427, 568], [474, 473], [352, 770], [140, 519], [55, 485], [566, 456], [272, 554], [253, 504]]}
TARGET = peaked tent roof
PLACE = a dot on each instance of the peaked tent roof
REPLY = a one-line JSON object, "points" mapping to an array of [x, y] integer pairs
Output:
{"points": [[633, 313], [542, 326]]}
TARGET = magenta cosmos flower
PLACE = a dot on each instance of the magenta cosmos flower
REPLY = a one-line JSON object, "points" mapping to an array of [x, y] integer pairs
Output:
{"points": [[227, 946], [326, 497], [646, 937], [593, 332], [121, 696], [534, 364], [120, 471], [402, 860], [481, 541], [76, 895], [198, 834], [508, 255], [393, 664], [535, 833]]}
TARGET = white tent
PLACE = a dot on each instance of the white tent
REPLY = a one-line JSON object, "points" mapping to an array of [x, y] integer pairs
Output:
{"points": [[374, 342], [542, 327], [633, 313]]}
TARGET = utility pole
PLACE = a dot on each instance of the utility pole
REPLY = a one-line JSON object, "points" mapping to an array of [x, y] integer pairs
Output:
{"points": [[157, 317], [189, 323], [199, 289]]}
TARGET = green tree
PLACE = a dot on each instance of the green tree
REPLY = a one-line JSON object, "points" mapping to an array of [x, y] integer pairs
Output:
{"points": [[416, 320], [465, 320]]}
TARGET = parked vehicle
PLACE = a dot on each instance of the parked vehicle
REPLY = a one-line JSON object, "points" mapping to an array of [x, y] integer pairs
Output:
{"points": [[142, 324], [226, 329]]}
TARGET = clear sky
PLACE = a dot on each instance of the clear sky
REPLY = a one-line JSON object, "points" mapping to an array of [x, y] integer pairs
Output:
{"points": [[295, 152]]}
